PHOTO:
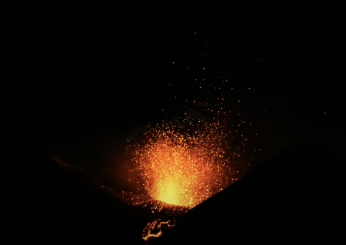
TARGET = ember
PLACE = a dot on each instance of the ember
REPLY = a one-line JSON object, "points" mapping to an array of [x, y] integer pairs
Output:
{"points": [[187, 159], [182, 168]]}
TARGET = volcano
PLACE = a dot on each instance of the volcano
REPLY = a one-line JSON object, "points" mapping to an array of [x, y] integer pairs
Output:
{"points": [[297, 195]]}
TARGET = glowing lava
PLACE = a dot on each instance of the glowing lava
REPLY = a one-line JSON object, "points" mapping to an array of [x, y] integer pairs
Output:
{"points": [[169, 193], [182, 168], [147, 231], [188, 159]]}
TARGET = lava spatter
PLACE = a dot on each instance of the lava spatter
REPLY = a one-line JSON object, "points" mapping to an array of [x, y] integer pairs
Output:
{"points": [[182, 168]]}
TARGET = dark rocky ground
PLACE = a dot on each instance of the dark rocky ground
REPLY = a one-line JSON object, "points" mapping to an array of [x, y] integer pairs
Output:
{"points": [[295, 196]]}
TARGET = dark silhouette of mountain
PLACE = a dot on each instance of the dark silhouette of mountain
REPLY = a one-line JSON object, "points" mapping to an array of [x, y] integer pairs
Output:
{"points": [[295, 196], [82, 212]]}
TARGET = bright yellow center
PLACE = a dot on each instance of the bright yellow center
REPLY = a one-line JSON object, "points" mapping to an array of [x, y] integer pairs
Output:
{"points": [[169, 194]]}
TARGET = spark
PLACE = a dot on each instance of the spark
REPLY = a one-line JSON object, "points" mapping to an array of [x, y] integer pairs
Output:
{"points": [[183, 163], [181, 168]]}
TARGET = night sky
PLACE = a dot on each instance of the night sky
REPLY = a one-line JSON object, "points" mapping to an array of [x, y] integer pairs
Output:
{"points": [[96, 74], [99, 74], [111, 72]]}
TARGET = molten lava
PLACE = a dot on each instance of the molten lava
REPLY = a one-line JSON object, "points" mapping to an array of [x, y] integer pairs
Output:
{"points": [[183, 169], [169, 193], [147, 231]]}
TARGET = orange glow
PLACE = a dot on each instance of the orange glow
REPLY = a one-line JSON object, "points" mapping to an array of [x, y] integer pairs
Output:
{"points": [[185, 161], [169, 193], [147, 231], [182, 168]]}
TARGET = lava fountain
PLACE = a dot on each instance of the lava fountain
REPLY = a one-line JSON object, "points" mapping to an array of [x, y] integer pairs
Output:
{"points": [[169, 193], [182, 168]]}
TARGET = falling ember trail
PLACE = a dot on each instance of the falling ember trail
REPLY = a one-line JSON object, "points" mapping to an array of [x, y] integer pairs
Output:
{"points": [[147, 231]]}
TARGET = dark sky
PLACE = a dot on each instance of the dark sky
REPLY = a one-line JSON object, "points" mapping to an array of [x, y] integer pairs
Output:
{"points": [[105, 71]]}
